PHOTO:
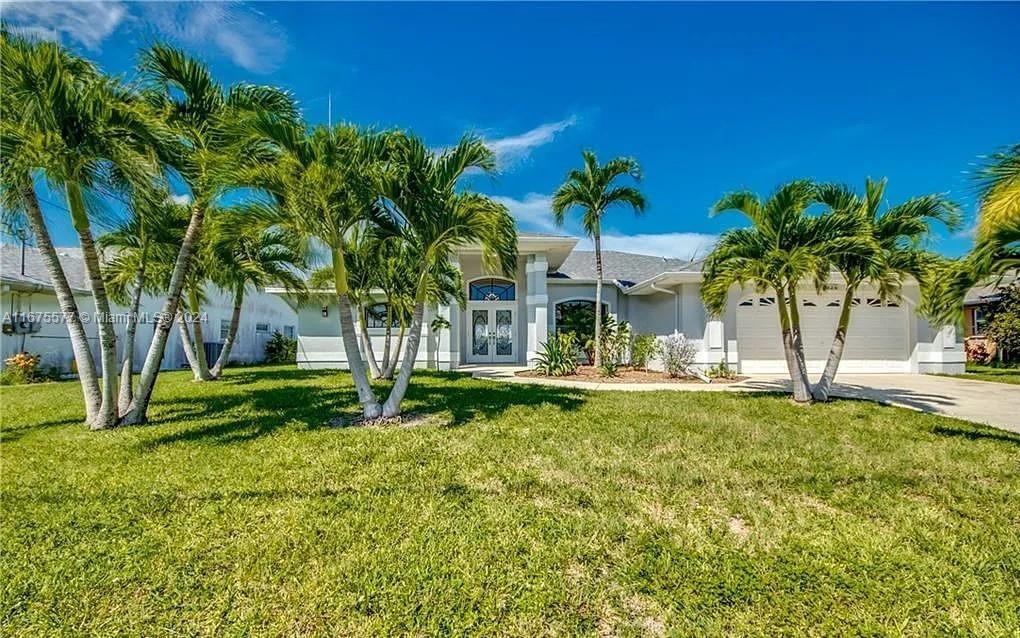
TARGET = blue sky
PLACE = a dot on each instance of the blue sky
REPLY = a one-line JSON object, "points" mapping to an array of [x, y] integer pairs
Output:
{"points": [[709, 98]]}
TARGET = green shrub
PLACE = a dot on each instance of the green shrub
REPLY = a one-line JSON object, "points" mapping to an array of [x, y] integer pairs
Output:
{"points": [[559, 355], [24, 368], [615, 341], [12, 375], [645, 348], [281, 349], [721, 370]]}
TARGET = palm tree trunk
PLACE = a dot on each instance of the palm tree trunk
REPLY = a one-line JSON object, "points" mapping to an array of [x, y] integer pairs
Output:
{"points": [[802, 384], [392, 406], [598, 300], [202, 371], [389, 335], [391, 363], [68, 306], [228, 343], [373, 364], [130, 330], [824, 387], [369, 403], [107, 416], [154, 358], [188, 343]]}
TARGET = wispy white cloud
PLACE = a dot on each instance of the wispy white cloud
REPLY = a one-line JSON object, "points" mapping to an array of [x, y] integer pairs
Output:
{"points": [[678, 245], [87, 23], [246, 36], [513, 149], [534, 212], [242, 34]]}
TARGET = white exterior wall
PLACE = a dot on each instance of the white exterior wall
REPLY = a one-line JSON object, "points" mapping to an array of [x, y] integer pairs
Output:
{"points": [[320, 345], [54, 344]]}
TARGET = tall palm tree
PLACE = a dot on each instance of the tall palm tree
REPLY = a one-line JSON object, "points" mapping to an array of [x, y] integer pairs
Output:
{"points": [[895, 253], [433, 218], [255, 256], [87, 138], [325, 184], [141, 247], [217, 139], [592, 190], [27, 68], [783, 247]]}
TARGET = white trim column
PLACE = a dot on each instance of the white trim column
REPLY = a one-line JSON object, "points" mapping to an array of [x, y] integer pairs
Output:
{"points": [[448, 341], [537, 269]]}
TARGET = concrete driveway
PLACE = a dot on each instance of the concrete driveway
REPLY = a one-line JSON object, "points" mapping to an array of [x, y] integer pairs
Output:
{"points": [[996, 404]]}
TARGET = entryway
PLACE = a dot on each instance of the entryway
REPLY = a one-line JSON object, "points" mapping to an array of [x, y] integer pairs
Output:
{"points": [[492, 337]]}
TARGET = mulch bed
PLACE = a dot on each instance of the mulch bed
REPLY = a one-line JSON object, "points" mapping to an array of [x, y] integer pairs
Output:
{"points": [[625, 374]]}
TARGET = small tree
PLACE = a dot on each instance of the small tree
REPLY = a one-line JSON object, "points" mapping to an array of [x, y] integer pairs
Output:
{"points": [[1004, 325], [645, 348]]}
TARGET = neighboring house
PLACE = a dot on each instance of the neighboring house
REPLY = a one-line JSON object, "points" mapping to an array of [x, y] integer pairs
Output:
{"points": [[25, 289], [976, 314], [506, 321]]}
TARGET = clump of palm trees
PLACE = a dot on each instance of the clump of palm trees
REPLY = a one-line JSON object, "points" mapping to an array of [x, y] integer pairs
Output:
{"points": [[384, 210], [784, 247]]}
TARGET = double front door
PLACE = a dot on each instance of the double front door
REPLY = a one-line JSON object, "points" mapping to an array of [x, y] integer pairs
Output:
{"points": [[493, 334]]}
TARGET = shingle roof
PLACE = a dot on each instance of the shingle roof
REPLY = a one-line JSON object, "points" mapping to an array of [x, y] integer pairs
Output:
{"points": [[627, 268], [35, 270], [977, 294]]}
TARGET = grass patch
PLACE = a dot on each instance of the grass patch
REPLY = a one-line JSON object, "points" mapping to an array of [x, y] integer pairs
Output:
{"points": [[989, 373], [515, 510]]}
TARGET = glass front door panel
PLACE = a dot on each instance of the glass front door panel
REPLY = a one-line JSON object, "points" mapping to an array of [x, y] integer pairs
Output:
{"points": [[480, 332], [504, 333]]}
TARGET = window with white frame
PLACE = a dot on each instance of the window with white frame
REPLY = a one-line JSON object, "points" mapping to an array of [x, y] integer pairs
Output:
{"points": [[262, 328], [288, 331], [224, 329], [980, 320]]}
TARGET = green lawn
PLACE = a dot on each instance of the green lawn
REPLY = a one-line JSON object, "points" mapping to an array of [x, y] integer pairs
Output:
{"points": [[517, 511], [988, 373]]}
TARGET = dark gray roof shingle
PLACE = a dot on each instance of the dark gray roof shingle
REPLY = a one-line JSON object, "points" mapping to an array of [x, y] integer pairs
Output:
{"points": [[35, 270], [627, 268]]}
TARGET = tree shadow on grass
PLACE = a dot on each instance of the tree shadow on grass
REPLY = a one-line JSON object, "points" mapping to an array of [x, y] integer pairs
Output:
{"points": [[259, 402], [977, 433], [475, 398]]}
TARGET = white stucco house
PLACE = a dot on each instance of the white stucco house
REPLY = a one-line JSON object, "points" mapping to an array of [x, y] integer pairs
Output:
{"points": [[506, 320], [25, 290]]}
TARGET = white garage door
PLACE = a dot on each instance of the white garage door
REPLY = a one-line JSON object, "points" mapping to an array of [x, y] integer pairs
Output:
{"points": [[878, 339]]}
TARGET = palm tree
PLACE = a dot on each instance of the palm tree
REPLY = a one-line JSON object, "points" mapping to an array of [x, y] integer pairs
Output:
{"points": [[997, 239], [325, 184], [141, 247], [998, 229], [895, 254], [434, 219], [591, 189], [87, 136], [26, 68], [217, 139], [782, 247], [252, 255]]}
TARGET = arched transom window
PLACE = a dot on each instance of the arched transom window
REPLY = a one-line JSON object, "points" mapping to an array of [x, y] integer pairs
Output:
{"points": [[492, 289]]}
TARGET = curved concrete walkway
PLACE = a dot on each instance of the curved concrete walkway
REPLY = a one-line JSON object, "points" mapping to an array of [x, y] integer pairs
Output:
{"points": [[985, 402]]}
